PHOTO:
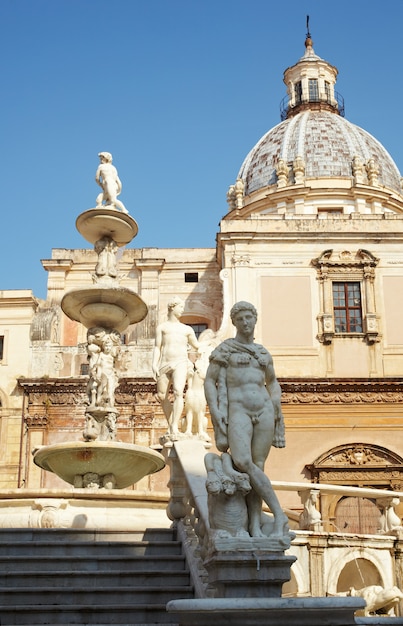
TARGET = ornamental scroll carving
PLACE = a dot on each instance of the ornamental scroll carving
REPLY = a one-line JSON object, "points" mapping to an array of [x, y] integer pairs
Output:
{"points": [[345, 265], [341, 398], [45, 397]]}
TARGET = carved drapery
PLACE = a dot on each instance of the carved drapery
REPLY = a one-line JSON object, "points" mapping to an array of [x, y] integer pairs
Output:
{"points": [[346, 266]]}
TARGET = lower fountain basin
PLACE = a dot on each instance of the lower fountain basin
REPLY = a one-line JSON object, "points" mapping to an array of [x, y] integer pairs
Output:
{"points": [[127, 462]]}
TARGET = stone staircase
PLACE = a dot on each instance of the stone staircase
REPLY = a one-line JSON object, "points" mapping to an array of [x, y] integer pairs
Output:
{"points": [[52, 576]]}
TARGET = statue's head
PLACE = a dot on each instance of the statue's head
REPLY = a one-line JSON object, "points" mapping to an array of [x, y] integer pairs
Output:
{"points": [[175, 302], [105, 157], [242, 306]]}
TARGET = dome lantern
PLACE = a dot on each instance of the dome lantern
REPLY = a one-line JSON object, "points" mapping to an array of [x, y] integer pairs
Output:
{"points": [[310, 85]]}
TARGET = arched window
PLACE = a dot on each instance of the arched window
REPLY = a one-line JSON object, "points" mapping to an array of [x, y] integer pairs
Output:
{"points": [[358, 573], [355, 465]]}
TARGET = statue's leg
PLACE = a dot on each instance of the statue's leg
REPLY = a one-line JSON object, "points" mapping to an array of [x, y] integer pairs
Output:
{"points": [[250, 445], [178, 385], [263, 432], [163, 383]]}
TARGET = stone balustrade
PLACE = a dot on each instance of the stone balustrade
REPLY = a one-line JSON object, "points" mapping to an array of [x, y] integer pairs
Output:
{"points": [[188, 508]]}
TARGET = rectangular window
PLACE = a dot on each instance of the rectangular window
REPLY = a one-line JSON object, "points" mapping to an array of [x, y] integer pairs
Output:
{"points": [[298, 92], [330, 211], [313, 90], [327, 91], [84, 369], [347, 307], [191, 277], [1, 347]]}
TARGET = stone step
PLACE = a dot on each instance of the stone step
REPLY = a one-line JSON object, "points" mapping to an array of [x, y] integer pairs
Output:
{"points": [[97, 579], [93, 578], [69, 615], [82, 563], [17, 535], [99, 548], [129, 595]]}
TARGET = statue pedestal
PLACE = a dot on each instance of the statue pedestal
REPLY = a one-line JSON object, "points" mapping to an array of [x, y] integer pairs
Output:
{"points": [[258, 574], [267, 611]]}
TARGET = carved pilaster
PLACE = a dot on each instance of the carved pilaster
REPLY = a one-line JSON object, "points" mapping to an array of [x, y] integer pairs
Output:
{"points": [[316, 547]]}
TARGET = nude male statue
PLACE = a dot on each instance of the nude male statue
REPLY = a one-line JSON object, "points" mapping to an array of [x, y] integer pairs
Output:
{"points": [[244, 400], [107, 178], [171, 363]]}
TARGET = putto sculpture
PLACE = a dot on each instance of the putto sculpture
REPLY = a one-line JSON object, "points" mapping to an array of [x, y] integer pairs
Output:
{"points": [[107, 178], [244, 395]]}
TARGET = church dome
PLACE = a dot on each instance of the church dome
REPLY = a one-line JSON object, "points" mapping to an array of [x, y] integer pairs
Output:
{"points": [[326, 142], [314, 141]]}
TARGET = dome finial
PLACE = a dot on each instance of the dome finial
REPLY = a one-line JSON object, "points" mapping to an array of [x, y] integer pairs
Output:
{"points": [[308, 39]]}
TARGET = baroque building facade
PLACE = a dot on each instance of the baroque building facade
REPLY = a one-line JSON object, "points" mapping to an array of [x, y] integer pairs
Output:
{"points": [[313, 237]]}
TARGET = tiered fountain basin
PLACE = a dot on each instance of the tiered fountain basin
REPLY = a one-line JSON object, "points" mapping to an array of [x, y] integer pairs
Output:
{"points": [[97, 223], [113, 307], [126, 462]]}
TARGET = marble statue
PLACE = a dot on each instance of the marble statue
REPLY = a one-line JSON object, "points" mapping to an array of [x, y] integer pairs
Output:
{"points": [[239, 191], [195, 400], [244, 396], [106, 249], [231, 197], [102, 349], [372, 172], [171, 363], [358, 170], [310, 518], [107, 178], [378, 599], [298, 166], [282, 173], [390, 522]]}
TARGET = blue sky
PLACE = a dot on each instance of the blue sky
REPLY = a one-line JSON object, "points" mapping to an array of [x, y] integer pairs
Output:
{"points": [[179, 91]]}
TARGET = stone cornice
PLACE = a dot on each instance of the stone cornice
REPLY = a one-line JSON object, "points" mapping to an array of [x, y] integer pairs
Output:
{"points": [[313, 189]]}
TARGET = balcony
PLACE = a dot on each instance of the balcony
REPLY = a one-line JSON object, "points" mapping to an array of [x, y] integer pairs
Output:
{"points": [[313, 102]]}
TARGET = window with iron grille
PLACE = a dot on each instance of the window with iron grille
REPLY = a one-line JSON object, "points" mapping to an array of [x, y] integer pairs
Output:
{"points": [[298, 92], [347, 307], [313, 90]]}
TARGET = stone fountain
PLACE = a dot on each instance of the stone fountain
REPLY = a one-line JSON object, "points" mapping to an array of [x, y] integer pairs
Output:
{"points": [[106, 309]]}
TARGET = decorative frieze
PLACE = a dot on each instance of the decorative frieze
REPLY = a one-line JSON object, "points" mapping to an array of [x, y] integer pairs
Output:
{"points": [[341, 392]]}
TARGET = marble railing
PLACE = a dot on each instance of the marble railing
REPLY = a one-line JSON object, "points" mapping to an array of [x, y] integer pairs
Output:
{"points": [[188, 506]]}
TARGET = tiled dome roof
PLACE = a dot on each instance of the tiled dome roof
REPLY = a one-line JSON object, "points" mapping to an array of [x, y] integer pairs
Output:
{"points": [[325, 141]]}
